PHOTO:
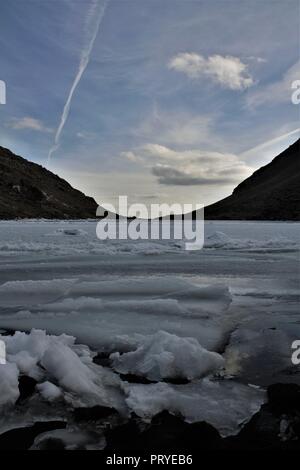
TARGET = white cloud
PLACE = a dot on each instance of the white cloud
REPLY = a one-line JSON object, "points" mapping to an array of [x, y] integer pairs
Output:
{"points": [[228, 71], [160, 151], [176, 128], [28, 123], [276, 92], [189, 167]]}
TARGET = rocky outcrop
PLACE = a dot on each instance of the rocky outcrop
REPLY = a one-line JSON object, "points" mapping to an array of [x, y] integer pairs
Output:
{"points": [[28, 190], [271, 193]]}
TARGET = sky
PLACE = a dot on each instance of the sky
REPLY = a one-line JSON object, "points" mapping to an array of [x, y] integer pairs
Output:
{"points": [[160, 100]]}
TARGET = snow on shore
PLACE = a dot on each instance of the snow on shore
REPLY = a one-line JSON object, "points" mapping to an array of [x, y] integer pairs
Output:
{"points": [[65, 372]]}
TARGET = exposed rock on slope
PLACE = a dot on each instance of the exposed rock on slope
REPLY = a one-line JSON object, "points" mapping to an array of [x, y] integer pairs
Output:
{"points": [[271, 193], [28, 190]]}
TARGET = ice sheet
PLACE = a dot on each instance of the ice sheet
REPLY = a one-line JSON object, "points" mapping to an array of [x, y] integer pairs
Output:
{"points": [[238, 297], [111, 309]]}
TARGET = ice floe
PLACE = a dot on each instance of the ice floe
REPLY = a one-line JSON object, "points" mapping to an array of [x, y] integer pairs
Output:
{"points": [[9, 390], [65, 372], [55, 360], [224, 404], [163, 355]]}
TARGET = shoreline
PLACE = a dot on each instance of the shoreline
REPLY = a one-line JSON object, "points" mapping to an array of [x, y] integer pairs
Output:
{"points": [[275, 426]]}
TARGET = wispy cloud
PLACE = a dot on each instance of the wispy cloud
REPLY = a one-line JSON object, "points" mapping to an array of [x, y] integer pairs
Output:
{"points": [[228, 71], [97, 10], [277, 92], [128, 99], [85, 135], [176, 127], [28, 123]]}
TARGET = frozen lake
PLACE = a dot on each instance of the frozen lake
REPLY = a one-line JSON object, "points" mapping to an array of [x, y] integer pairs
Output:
{"points": [[237, 297]]}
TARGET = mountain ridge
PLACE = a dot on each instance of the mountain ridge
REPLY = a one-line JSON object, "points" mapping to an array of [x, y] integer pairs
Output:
{"points": [[28, 190], [270, 193]]}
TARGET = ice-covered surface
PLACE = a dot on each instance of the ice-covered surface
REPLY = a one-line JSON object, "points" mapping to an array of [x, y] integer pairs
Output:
{"points": [[224, 404], [101, 312], [162, 356], [56, 238], [237, 297], [277, 243]]}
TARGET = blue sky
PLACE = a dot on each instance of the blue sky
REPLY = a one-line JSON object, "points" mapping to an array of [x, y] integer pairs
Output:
{"points": [[179, 100]]}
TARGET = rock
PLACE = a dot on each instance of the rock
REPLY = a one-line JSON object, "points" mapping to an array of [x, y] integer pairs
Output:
{"points": [[166, 432], [271, 193], [94, 413], [284, 398], [23, 438], [27, 190], [177, 381], [260, 433], [52, 443], [136, 379], [139, 379], [102, 359], [26, 387], [171, 432], [6, 332], [124, 437], [276, 426]]}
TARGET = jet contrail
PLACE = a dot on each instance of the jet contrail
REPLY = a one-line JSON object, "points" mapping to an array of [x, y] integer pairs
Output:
{"points": [[84, 60], [271, 142]]}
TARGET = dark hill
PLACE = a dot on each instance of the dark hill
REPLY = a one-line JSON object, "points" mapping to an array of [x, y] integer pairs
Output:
{"points": [[271, 193], [28, 190]]}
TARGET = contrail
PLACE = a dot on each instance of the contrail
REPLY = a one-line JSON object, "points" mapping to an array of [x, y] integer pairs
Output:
{"points": [[271, 142], [84, 61]]}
